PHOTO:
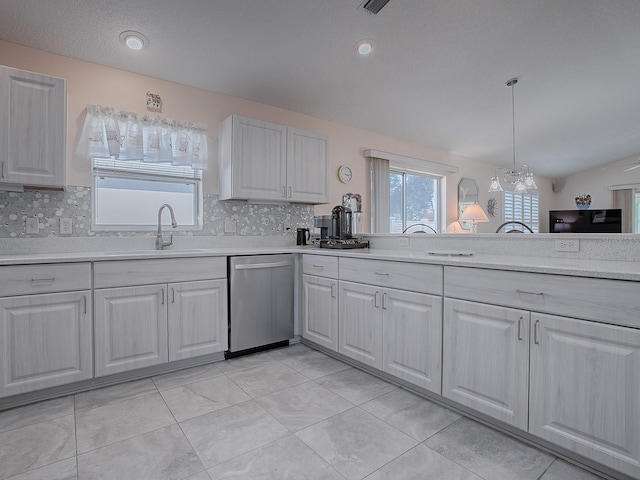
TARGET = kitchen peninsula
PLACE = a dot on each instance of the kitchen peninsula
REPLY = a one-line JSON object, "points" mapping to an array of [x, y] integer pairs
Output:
{"points": [[509, 339]]}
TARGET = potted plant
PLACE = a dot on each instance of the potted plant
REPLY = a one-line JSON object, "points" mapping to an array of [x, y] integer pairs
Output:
{"points": [[583, 201]]}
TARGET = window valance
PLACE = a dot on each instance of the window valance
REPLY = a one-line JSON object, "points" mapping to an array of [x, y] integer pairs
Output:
{"points": [[124, 135]]}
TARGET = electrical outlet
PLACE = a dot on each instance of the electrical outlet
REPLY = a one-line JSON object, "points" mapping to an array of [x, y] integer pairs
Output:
{"points": [[31, 225], [403, 241], [229, 225], [569, 245], [66, 226]]}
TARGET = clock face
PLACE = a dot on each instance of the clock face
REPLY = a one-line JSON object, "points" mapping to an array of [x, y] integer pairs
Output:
{"points": [[345, 174]]}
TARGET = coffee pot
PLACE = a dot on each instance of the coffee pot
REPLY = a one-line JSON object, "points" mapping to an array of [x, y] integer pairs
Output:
{"points": [[340, 223], [302, 235]]}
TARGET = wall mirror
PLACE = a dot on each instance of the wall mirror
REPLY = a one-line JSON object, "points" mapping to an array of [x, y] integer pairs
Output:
{"points": [[467, 195]]}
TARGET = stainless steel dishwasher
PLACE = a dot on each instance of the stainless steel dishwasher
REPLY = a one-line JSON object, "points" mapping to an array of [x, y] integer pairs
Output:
{"points": [[260, 302]]}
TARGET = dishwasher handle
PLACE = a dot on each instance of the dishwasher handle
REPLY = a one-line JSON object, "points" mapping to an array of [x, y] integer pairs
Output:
{"points": [[253, 266]]}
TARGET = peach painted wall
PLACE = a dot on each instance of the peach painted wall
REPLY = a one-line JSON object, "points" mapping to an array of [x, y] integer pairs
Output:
{"points": [[90, 83], [595, 182]]}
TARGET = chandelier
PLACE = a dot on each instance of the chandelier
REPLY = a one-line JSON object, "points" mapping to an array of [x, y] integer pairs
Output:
{"points": [[521, 179]]}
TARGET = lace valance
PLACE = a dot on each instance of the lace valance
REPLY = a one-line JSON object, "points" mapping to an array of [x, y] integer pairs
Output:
{"points": [[123, 135]]}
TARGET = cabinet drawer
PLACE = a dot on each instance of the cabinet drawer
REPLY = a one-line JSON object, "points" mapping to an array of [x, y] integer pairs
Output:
{"points": [[403, 276], [122, 273], [320, 265], [50, 278], [609, 301]]}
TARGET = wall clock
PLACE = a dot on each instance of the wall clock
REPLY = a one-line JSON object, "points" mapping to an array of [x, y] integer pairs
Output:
{"points": [[345, 174]]}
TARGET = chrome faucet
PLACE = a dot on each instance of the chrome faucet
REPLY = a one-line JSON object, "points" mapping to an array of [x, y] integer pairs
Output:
{"points": [[160, 243]]}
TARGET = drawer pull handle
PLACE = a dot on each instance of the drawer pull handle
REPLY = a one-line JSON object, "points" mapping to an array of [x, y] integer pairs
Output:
{"points": [[85, 304], [318, 266], [520, 328], [524, 292], [173, 295], [382, 274], [535, 332], [377, 299], [2, 169], [384, 301], [42, 281], [284, 195], [162, 301], [289, 192], [333, 290]]}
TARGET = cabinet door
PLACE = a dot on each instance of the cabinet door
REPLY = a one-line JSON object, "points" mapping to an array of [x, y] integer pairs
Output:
{"points": [[307, 167], [33, 123], [412, 337], [45, 341], [130, 328], [485, 359], [361, 323], [320, 311], [585, 389], [259, 152], [197, 318]]}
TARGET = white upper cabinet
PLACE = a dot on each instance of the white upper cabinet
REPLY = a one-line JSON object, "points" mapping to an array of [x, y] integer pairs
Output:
{"points": [[265, 161], [307, 167], [33, 128]]}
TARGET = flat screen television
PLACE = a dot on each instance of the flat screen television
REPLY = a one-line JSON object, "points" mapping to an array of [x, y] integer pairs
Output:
{"points": [[585, 221]]}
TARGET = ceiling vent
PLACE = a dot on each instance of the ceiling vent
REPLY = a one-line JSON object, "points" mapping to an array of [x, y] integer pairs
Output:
{"points": [[374, 6]]}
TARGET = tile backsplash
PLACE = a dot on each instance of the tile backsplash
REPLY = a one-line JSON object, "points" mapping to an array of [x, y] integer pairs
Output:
{"points": [[49, 207]]}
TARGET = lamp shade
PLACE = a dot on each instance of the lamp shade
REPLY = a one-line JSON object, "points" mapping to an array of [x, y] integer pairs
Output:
{"points": [[473, 213]]}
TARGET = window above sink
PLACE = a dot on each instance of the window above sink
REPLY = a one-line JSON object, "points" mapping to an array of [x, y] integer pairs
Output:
{"points": [[127, 194]]}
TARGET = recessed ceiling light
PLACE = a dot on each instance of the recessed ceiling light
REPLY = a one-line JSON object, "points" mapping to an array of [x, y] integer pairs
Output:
{"points": [[364, 47], [133, 40]]}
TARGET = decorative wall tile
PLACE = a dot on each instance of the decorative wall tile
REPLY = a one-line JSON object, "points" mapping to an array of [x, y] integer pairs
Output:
{"points": [[49, 207]]}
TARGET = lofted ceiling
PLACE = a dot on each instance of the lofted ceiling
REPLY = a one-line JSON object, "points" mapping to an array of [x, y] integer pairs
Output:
{"points": [[436, 76]]}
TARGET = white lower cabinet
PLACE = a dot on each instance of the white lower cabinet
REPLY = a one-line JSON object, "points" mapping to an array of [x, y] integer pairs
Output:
{"points": [[396, 331], [320, 310], [130, 328], [585, 389], [45, 341], [360, 316], [142, 326], [486, 359], [197, 319], [412, 337]]}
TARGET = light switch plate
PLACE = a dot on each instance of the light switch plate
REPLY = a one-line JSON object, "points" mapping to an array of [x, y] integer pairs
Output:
{"points": [[66, 226], [31, 225], [229, 225]]}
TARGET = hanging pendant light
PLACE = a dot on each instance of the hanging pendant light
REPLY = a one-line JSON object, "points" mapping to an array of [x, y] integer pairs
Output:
{"points": [[520, 179]]}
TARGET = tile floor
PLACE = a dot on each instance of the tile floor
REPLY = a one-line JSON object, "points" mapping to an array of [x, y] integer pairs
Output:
{"points": [[292, 413]]}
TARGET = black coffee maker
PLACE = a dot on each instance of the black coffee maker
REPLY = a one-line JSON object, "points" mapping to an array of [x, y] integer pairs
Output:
{"points": [[340, 223]]}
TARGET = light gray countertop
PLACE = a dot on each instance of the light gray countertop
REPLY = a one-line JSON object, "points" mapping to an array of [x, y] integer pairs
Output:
{"points": [[619, 270]]}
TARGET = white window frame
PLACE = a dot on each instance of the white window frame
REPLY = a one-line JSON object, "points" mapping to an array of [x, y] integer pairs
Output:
{"points": [[103, 167], [439, 198], [528, 213]]}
